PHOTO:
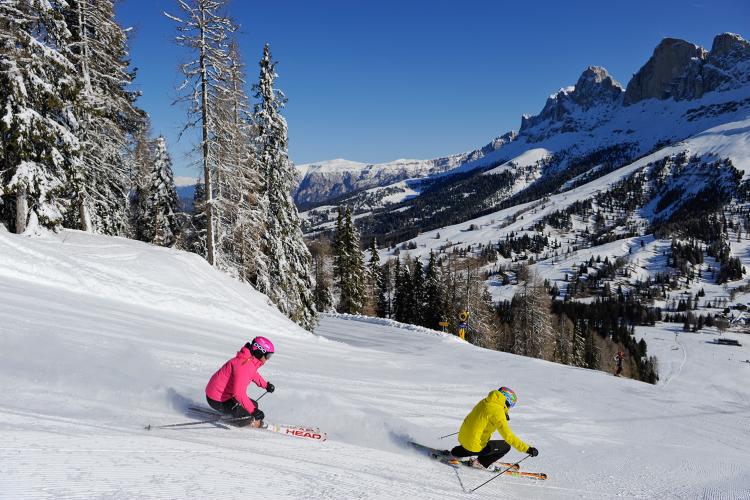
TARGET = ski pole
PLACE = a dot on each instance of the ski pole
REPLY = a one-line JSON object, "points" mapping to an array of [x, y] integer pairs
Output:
{"points": [[262, 395], [441, 437], [515, 465], [183, 424]]}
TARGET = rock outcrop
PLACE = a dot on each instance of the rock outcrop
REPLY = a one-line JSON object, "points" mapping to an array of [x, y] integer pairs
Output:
{"points": [[680, 70], [595, 87]]}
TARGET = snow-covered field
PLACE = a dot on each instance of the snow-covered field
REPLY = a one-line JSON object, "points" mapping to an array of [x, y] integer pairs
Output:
{"points": [[100, 336]]}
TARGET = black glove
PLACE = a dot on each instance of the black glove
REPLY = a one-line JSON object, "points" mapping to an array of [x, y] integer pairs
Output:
{"points": [[270, 387], [532, 451], [258, 414]]}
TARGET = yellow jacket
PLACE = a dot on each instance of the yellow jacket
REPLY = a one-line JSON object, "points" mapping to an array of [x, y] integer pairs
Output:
{"points": [[487, 417]]}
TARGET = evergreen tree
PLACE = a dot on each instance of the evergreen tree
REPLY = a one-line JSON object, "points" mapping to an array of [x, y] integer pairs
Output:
{"points": [[290, 280], [142, 165], [416, 298], [384, 309], [374, 280], [39, 92], [340, 251], [107, 116], [162, 222], [433, 294], [402, 292], [195, 239], [349, 265]]}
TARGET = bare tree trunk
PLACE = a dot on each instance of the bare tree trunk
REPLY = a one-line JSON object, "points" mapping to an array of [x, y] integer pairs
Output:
{"points": [[22, 209], [204, 126], [83, 213]]}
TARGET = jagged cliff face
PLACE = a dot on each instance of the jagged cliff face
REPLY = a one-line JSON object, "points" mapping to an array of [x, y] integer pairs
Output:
{"points": [[680, 70], [566, 110]]}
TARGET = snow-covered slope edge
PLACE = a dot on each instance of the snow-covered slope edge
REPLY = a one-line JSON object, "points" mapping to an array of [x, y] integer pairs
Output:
{"points": [[86, 361]]}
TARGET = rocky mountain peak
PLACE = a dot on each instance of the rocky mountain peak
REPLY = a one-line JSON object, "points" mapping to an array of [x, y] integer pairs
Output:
{"points": [[595, 87], [730, 45], [728, 63], [680, 70], [672, 71]]}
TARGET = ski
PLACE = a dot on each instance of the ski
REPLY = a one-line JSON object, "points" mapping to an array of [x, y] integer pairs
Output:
{"points": [[443, 456], [297, 431], [499, 467]]}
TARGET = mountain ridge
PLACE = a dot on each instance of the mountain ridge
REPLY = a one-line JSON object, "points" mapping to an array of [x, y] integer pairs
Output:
{"points": [[677, 71]]}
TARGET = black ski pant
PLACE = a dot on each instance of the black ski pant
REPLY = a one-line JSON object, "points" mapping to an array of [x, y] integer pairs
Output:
{"points": [[493, 451], [232, 407]]}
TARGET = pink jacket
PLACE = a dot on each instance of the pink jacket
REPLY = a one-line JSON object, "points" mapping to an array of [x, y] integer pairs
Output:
{"points": [[232, 379]]}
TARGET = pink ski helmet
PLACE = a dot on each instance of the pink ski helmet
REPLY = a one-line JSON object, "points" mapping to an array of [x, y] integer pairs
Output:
{"points": [[261, 347]]}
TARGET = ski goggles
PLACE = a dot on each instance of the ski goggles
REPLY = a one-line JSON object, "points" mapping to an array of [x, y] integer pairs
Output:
{"points": [[262, 349]]}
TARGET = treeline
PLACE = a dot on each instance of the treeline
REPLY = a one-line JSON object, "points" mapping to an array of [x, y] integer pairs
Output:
{"points": [[76, 151], [438, 290], [614, 320]]}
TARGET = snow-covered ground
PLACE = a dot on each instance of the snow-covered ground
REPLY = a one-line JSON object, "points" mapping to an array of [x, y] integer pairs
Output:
{"points": [[100, 336]]}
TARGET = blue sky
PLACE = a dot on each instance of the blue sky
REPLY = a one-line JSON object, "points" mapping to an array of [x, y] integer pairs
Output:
{"points": [[379, 80]]}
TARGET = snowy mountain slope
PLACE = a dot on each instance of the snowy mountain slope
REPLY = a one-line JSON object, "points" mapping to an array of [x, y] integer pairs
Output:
{"points": [[730, 141], [100, 336], [586, 128], [324, 181]]}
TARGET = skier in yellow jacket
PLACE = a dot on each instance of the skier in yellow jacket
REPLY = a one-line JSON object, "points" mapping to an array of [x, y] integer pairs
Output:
{"points": [[488, 416]]}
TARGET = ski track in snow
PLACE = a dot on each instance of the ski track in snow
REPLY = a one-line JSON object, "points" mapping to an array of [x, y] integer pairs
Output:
{"points": [[86, 361]]}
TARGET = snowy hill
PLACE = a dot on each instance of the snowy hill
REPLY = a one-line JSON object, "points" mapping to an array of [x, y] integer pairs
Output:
{"points": [[102, 335]]}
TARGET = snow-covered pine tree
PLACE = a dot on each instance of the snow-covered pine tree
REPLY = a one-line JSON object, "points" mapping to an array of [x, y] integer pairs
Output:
{"points": [[162, 221], [107, 116], [140, 176], [205, 31], [349, 265], [39, 90], [239, 205], [433, 294], [374, 279], [290, 280]]}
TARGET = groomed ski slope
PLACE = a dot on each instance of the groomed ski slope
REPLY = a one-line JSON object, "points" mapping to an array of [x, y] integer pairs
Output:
{"points": [[100, 336]]}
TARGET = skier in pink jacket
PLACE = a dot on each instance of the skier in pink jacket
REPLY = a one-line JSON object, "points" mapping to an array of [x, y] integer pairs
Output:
{"points": [[226, 392]]}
